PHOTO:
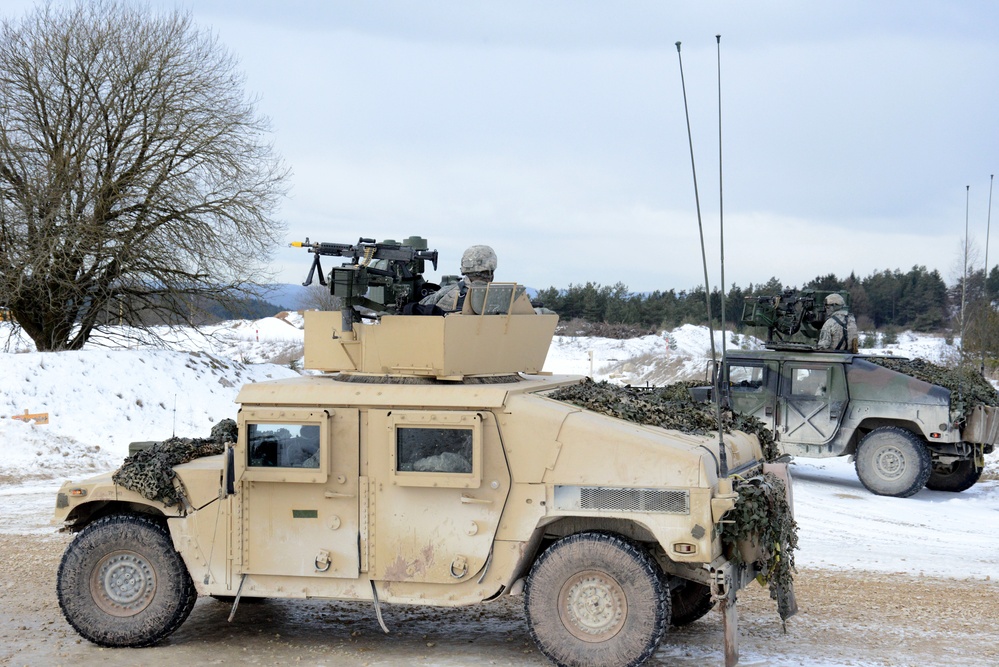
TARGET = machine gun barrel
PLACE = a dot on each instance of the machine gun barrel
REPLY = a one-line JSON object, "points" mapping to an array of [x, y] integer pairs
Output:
{"points": [[383, 277]]}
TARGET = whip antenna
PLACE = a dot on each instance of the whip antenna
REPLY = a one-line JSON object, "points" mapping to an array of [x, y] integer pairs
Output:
{"points": [[722, 456], [988, 227], [964, 280], [721, 212]]}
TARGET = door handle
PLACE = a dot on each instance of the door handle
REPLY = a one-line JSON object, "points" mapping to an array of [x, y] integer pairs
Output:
{"points": [[468, 500], [334, 494]]}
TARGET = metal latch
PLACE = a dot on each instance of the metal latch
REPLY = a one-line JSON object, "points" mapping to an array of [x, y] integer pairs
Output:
{"points": [[459, 567]]}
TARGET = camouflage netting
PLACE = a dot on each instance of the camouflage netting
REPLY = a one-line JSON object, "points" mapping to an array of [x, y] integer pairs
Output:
{"points": [[761, 514], [968, 388], [150, 472], [669, 407]]}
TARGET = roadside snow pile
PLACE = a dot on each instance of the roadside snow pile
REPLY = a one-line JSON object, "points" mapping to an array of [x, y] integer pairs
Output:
{"points": [[930, 347], [671, 356], [98, 401], [272, 340]]}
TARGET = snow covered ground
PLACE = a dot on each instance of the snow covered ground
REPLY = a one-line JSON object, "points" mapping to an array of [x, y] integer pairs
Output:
{"points": [[102, 398]]}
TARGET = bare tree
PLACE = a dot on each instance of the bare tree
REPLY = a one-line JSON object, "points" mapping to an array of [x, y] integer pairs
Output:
{"points": [[318, 297], [135, 175]]}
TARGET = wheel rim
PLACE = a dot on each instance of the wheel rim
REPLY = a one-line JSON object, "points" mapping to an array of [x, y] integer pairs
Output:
{"points": [[123, 583], [592, 606], [889, 462]]}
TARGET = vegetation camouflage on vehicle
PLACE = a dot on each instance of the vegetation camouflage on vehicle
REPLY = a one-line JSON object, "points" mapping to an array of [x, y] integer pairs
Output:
{"points": [[761, 514], [150, 472], [668, 407], [968, 388]]}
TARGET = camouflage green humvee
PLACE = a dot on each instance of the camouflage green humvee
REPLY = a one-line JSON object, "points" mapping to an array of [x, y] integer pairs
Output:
{"points": [[903, 432]]}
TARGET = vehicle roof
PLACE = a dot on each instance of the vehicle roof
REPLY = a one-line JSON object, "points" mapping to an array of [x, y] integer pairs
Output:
{"points": [[823, 356], [336, 389]]}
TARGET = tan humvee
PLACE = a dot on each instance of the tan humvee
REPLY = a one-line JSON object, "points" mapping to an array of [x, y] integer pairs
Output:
{"points": [[427, 465]]}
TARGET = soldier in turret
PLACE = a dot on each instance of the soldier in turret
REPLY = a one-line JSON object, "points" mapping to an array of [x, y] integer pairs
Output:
{"points": [[478, 263], [839, 332]]}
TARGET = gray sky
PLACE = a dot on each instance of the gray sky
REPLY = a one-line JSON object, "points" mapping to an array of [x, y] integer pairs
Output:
{"points": [[554, 131]]}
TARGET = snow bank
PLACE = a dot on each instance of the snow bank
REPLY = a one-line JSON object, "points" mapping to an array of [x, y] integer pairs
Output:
{"points": [[98, 401]]}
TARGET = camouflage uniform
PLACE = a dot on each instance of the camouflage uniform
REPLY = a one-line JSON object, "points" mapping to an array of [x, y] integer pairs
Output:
{"points": [[840, 329], [477, 266]]}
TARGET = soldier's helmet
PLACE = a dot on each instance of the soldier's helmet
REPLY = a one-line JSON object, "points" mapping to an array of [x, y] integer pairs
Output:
{"points": [[478, 259], [835, 300]]}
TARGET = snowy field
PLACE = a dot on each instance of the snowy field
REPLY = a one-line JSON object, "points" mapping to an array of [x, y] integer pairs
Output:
{"points": [[103, 397]]}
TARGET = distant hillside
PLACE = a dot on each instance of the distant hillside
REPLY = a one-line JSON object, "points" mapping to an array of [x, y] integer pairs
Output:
{"points": [[289, 296]]}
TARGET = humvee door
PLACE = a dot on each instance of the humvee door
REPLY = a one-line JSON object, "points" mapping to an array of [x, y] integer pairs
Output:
{"points": [[439, 481], [812, 401], [752, 389], [298, 499]]}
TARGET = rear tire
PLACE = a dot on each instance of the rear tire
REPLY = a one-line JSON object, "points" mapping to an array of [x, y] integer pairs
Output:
{"points": [[954, 477], [689, 602], [596, 599], [121, 582], [893, 461]]}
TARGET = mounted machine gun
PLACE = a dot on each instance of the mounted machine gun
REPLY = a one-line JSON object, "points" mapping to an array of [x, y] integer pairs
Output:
{"points": [[787, 314], [384, 277]]}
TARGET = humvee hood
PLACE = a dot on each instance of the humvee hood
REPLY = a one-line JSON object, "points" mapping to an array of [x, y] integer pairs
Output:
{"points": [[597, 449], [870, 382], [202, 479]]}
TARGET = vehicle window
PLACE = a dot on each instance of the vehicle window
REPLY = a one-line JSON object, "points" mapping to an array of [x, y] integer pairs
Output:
{"points": [[447, 450], [809, 382], [746, 378], [283, 445]]}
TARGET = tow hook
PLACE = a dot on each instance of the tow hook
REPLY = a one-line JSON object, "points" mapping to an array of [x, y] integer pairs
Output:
{"points": [[721, 584]]}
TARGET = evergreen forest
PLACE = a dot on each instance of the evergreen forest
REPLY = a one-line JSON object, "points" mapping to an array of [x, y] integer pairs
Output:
{"points": [[887, 301]]}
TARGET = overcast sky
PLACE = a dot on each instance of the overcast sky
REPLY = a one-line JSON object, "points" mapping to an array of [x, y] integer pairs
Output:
{"points": [[554, 131]]}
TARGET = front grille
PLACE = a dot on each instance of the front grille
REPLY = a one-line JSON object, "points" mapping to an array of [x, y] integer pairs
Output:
{"points": [[669, 501]]}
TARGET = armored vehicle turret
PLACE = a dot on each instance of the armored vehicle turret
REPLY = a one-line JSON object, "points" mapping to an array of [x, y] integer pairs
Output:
{"points": [[427, 463]]}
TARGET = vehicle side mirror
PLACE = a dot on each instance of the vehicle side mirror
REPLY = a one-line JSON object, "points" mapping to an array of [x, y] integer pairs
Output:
{"points": [[700, 394]]}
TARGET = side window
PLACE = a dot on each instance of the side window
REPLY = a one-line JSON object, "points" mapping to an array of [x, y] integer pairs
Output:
{"points": [[746, 378], [809, 382], [435, 448], [282, 445], [445, 450]]}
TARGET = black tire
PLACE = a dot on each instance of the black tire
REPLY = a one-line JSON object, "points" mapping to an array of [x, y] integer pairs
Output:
{"points": [[954, 477], [893, 461], [121, 582], [689, 601], [596, 599]]}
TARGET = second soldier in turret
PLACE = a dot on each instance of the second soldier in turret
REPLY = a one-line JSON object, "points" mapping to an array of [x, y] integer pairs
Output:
{"points": [[839, 332]]}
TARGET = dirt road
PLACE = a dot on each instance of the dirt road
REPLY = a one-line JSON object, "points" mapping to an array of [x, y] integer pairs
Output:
{"points": [[845, 619]]}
